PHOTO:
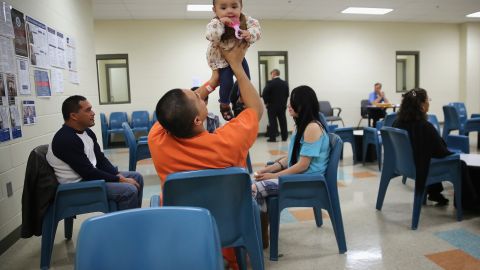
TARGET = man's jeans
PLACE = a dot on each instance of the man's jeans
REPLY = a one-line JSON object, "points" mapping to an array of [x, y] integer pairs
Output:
{"points": [[126, 195]]}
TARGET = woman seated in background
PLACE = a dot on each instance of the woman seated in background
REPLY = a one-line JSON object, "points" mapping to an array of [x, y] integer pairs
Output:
{"points": [[425, 140], [308, 150]]}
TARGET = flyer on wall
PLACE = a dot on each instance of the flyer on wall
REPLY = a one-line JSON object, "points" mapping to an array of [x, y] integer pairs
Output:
{"points": [[16, 121], [11, 84], [42, 83], [4, 124], [21, 45], [7, 55], [29, 112], [61, 50], [23, 76], [37, 43], [6, 28]]}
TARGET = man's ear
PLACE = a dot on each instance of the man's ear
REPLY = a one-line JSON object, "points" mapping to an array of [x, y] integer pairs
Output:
{"points": [[197, 121], [73, 116]]}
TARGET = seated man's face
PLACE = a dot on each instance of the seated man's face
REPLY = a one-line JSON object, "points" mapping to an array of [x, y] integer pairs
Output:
{"points": [[378, 88], [85, 115]]}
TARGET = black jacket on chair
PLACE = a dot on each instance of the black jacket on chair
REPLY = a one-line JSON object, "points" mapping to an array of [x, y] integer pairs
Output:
{"points": [[39, 191], [275, 94]]}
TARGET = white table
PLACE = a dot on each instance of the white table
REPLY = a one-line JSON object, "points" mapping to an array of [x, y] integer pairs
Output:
{"points": [[472, 160]]}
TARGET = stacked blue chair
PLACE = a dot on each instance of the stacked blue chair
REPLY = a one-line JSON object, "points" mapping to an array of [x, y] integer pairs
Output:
{"points": [[310, 190], [150, 238], [115, 124], [370, 136], [345, 133], [154, 119], [104, 126], [227, 194], [453, 121], [138, 150], [454, 142], [70, 200], [140, 121], [399, 162]]}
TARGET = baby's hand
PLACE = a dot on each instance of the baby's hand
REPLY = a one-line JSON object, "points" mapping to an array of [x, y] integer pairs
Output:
{"points": [[245, 35], [226, 20]]}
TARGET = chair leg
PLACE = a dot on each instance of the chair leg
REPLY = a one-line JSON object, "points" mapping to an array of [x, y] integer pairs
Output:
{"points": [[68, 224], [417, 207], [404, 180], [364, 151], [49, 227], [317, 211], [337, 224], [379, 156], [354, 150], [253, 242], [274, 218], [241, 258], [457, 188], [341, 152], [382, 189]]}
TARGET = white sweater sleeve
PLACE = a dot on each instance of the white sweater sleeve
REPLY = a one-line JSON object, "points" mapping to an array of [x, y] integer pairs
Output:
{"points": [[215, 30], [253, 26]]}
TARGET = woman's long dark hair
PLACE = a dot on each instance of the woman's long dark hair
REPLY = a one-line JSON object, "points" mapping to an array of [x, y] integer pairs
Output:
{"points": [[304, 102], [411, 107]]}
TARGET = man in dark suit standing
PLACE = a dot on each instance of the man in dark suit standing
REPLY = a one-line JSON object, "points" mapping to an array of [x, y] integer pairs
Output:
{"points": [[275, 96]]}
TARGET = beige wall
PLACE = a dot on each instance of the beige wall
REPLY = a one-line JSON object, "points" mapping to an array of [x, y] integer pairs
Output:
{"points": [[74, 18], [340, 60], [470, 61]]}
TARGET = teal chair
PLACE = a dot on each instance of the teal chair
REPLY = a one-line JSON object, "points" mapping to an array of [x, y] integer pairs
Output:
{"points": [[399, 162], [150, 238], [140, 121], [309, 190], [227, 194], [70, 200], [370, 136], [389, 119], [138, 150], [345, 133], [104, 126]]}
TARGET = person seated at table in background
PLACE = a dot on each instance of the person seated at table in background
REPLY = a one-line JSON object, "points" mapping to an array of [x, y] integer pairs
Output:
{"points": [[425, 140], [376, 97]]}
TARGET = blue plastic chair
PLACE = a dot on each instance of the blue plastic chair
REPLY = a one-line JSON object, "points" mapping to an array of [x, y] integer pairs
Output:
{"points": [[154, 119], [104, 126], [227, 193], [140, 121], [454, 142], [138, 150], [309, 190], [399, 162], [115, 124], [150, 238], [370, 136], [389, 119], [70, 200], [345, 133]]}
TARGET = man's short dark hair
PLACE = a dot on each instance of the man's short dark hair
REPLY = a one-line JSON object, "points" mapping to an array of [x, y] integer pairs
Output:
{"points": [[379, 84], [276, 72], [71, 105], [176, 112]]}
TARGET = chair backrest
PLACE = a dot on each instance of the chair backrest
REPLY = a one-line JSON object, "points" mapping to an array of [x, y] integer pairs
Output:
{"points": [[389, 119], [150, 238], [432, 118], [452, 121], [324, 122], [103, 122], [117, 118], [461, 110], [333, 159], [363, 108], [325, 108], [398, 151], [129, 137], [140, 119], [226, 193]]}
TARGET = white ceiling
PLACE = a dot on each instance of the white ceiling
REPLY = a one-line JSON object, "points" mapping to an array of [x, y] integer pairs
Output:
{"points": [[441, 11]]}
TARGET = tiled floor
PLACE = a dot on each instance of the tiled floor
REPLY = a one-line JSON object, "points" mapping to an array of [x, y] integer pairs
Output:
{"points": [[375, 239]]}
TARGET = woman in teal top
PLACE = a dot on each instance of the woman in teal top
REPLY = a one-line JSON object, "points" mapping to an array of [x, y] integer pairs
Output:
{"points": [[308, 150]]}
